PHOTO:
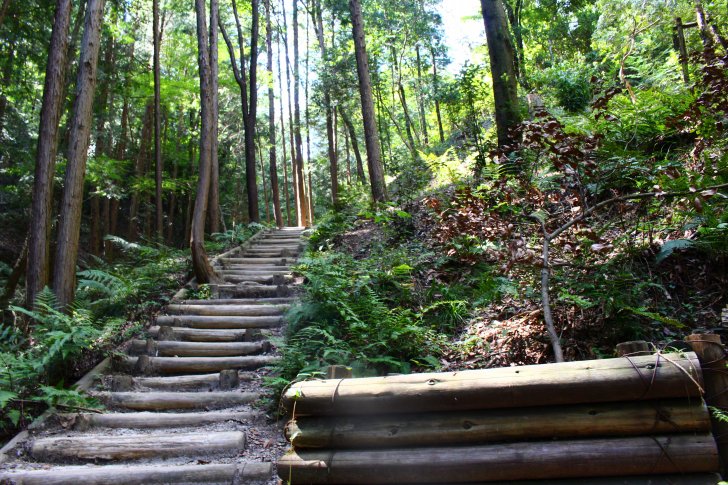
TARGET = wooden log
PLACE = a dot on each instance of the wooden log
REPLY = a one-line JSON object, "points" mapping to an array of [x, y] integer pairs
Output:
{"points": [[134, 447], [227, 310], [238, 301], [471, 427], [634, 347], [197, 349], [674, 479], [229, 380], [197, 382], [220, 321], [270, 279], [85, 421], [200, 334], [158, 401], [623, 379], [144, 365], [258, 267], [711, 353], [251, 272], [275, 261], [505, 461], [120, 474]]}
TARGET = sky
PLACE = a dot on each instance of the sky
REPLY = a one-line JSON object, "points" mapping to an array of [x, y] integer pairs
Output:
{"points": [[461, 35]]}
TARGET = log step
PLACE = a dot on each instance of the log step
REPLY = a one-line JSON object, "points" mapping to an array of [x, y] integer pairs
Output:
{"points": [[271, 279], [202, 382], [204, 335], [85, 421], [163, 401], [227, 310], [238, 301], [252, 272], [644, 455], [254, 290], [166, 348], [134, 447], [219, 321], [119, 474], [189, 365], [274, 261]]}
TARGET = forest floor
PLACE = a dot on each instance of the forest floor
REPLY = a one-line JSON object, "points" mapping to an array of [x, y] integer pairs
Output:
{"points": [[689, 286]]}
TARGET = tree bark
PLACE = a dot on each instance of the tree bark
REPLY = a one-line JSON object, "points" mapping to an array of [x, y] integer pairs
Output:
{"points": [[272, 120], [501, 54], [435, 92], [304, 218], [354, 145], [69, 226], [421, 98], [157, 123], [140, 169], [41, 207], [3, 11], [374, 157], [283, 137], [207, 55]]}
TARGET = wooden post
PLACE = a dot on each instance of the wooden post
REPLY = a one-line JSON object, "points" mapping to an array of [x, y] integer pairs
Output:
{"points": [[711, 354], [682, 49], [338, 372], [632, 348]]}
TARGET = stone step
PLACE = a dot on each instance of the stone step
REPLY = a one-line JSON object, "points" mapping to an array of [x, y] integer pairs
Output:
{"points": [[166, 348], [166, 401], [137, 446]]}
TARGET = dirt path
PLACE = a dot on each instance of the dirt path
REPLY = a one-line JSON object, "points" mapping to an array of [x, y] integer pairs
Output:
{"points": [[188, 404]]}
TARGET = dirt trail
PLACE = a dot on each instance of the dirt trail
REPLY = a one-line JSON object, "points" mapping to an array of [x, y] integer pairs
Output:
{"points": [[187, 405]]}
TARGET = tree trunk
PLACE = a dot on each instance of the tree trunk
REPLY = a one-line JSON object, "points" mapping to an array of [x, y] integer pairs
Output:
{"points": [[207, 58], [304, 219], [501, 54], [294, 175], [3, 11], [283, 138], [157, 124], [266, 207], [374, 157], [354, 145], [421, 98], [140, 169], [252, 185], [328, 108], [272, 120], [69, 226], [41, 207], [435, 92]]}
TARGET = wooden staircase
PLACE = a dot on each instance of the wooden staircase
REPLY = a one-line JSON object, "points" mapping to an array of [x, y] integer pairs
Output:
{"points": [[180, 405]]}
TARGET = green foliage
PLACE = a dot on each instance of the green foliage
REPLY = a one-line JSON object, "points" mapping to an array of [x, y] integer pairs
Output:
{"points": [[569, 84]]}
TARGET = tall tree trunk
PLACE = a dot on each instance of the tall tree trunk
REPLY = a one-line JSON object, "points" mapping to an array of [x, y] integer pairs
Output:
{"points": [[69, 226], [157, 123], [501, 54], [140, 169], [7, 75], [50, 114], [272, 120], [374, 157], [213, 208], [294, 175], [266, 207], [348, 156], [3, 11], [207, 61], [436, 94], [421, 98], [283, 138], [354, 145], [310, 200], [328, 107], [304, 215]]}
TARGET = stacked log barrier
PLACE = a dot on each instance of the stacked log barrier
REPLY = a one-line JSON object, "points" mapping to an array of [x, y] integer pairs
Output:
{"points": [[639, 416]]}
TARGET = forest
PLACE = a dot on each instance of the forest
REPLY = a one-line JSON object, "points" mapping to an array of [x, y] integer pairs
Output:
{"points": [[561, 190]]}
